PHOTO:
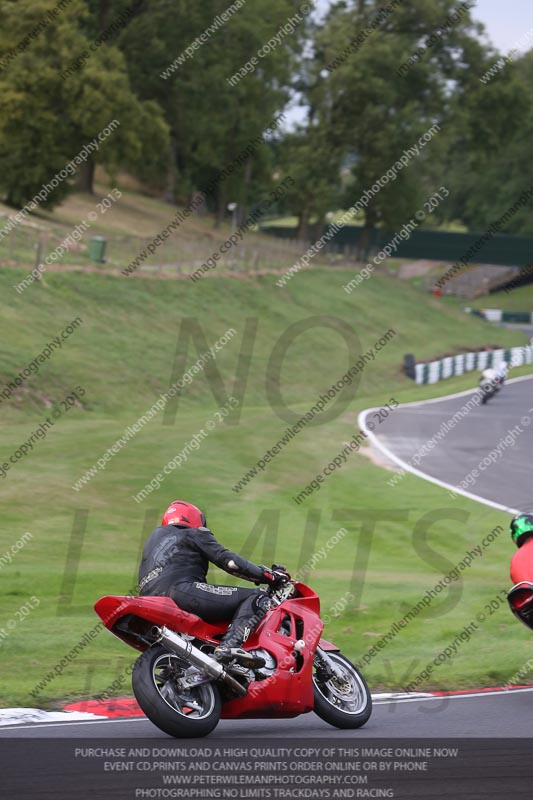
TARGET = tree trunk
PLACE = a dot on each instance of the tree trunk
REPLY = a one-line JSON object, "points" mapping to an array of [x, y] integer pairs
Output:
{"points": [[86, 177], [303, 226], [12, 202], [365, 242], [221, 208], [317, 228], [104, 14], [242, 211], [170, 179]]}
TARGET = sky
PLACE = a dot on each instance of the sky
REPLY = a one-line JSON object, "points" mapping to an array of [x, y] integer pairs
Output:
{"points": [[506, 22]]}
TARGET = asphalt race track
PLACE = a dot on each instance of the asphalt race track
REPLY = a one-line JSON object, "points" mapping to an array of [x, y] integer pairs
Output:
{"points": [[490, 714], [495, 441]]}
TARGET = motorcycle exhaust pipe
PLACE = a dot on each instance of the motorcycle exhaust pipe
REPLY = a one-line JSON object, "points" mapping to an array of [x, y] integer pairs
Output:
{"points": [[183, 648]]}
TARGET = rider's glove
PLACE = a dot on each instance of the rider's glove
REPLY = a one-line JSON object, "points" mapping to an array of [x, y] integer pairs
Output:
{"points": [[275, 577], [282, 572]]}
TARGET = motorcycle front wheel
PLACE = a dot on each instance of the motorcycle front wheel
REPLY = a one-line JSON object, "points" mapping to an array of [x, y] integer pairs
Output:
{"points": [[344, 701], [183, 713], [487, 392]]}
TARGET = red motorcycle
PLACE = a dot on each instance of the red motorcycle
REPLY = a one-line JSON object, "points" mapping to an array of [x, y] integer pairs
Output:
{"points": [[520, 597], [287, 668]]}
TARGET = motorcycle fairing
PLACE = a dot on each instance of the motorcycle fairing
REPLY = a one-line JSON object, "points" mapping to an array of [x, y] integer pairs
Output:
{"points": [[289, 691], [520, 599], [157, 610]]}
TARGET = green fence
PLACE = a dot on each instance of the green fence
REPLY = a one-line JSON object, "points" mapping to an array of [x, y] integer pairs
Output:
{"points": [[427, 244]]}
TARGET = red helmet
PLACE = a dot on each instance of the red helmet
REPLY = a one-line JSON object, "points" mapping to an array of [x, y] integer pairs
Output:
{"points": [[184, 514]]}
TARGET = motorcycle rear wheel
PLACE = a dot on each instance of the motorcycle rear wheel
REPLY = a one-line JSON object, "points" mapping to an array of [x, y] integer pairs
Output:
{"points": [[181, 713], [345, 703]]}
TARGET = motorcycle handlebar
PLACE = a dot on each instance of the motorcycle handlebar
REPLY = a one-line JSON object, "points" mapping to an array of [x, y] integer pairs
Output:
{"points": [[282, 593]]}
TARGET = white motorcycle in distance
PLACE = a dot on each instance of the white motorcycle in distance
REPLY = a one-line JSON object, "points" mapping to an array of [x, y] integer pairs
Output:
{"points": [[491, 381]]}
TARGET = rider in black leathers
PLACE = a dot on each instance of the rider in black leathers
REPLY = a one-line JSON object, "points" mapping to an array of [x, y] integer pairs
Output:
{"points": [[175, 561]]}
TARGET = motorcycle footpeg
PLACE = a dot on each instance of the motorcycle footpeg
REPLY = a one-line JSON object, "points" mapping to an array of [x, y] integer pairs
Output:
{"points": [[243, 658], [238, 670]]}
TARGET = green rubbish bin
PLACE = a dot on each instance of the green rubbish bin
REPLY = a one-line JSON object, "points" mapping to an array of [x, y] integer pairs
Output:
{"points": [[97, 247]]}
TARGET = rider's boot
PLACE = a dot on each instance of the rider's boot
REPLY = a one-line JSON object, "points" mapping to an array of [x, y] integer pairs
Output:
{"points": [[248, 615]]}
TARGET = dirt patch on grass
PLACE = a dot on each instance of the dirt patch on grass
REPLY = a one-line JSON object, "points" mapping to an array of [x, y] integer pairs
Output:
{"points": [[379, 459]]}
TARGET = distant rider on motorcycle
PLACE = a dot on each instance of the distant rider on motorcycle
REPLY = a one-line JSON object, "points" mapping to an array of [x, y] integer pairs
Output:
{"points": [[489, 375], [492, 380], [175, 561], [495, 376], [502, 372]]}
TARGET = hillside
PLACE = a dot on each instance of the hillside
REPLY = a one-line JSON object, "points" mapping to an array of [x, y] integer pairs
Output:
{"points": [[130, 221], [123, 356]]}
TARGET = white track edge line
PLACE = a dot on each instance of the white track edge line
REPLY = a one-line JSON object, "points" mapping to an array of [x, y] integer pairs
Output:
{"points": [[496, 693], [103, 720]]}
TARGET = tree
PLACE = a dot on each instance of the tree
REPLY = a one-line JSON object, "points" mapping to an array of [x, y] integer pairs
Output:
{"points": [[213, 122], [489, 161], [376, 100], [36, 141], [102, 93], [308, 157], [48, 112]]}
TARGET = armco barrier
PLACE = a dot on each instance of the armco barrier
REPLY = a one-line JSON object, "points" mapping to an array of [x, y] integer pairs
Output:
{"points": [[498, 315], [436, 371]]}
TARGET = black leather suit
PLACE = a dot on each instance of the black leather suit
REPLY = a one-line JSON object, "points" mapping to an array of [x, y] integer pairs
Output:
{"points": [[174, 563]]}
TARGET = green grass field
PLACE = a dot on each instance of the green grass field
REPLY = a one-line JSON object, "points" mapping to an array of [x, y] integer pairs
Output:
{"points": [[131, 346], [517, 299]]}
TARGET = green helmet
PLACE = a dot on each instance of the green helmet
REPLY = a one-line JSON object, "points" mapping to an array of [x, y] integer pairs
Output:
{"points": [[521, 528]]}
